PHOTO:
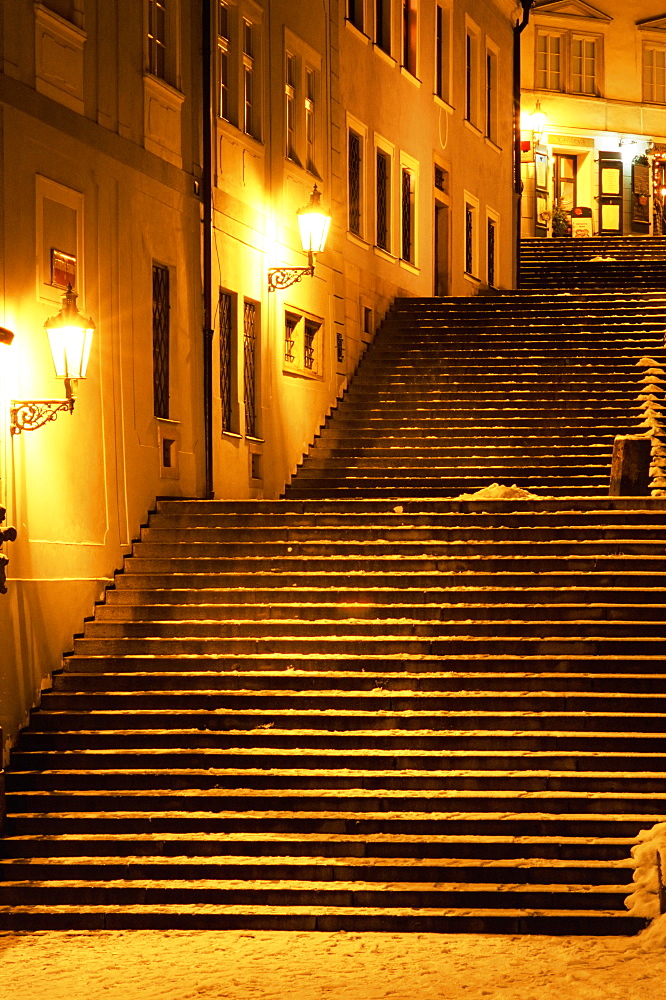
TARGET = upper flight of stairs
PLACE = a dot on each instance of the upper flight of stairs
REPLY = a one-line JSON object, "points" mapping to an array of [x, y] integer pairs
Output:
{"points": [[627, 263], [370, 705], [529, 387]]}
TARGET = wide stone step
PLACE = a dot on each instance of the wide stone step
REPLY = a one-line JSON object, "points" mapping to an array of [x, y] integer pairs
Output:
{"points": [[472, 717], [312, 779], [320, 918], [606, 853], [360, 680]]}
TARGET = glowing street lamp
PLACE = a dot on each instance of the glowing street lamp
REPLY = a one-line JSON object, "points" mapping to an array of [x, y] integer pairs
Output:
{"points": [[70, 339], [313, 224]]}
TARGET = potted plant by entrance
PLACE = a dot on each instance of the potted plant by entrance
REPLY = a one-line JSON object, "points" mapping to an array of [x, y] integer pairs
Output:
{"points": [[560, 220]]}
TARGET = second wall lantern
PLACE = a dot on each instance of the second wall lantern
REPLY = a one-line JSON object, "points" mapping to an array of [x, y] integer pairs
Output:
{"points": [[70, 339]]}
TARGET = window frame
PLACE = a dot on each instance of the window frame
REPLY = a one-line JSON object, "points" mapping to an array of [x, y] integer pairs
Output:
{"points": [[303, 349], [386, 150], [650, 45], [359, 130]]}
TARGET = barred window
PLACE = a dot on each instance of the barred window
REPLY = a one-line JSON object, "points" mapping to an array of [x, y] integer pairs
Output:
{"points": [[290, 323], [492, 235], [407, 216], [250, 367], [469, 239], [354, 182], [309, 334], [226, 380], [161, 335], [383, 199]]}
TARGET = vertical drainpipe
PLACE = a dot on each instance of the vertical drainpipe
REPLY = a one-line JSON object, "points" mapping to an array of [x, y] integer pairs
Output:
{"points": [[207, 238], [519, 27]]}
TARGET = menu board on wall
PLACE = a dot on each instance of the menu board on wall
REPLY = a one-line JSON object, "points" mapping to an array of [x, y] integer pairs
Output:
{"points": [[640, 186]]}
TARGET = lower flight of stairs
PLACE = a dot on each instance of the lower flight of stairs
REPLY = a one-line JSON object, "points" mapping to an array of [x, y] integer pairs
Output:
{"points": [[364, 714]]}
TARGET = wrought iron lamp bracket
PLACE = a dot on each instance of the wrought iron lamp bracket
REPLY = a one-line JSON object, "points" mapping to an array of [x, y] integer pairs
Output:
{"points": [[30, 414], [283, 277]]}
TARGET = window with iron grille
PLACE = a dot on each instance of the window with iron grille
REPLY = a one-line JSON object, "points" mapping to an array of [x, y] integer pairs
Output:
{"points": [[226, 381], [407, 217], [290, 323], [161, 341], [250, 367], [441, 179], [309, 334], [492, 234], [157, 37], [383, 199], [469, 239], [354, 182]]}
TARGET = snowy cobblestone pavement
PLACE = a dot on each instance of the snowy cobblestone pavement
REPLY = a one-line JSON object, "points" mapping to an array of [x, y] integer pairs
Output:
{"points": [[273, 965]]}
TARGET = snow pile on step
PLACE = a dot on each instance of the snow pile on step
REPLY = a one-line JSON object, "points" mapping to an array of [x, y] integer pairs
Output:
{"points": [[595, 259], [651, 403], [497, 492], [648, 855]]}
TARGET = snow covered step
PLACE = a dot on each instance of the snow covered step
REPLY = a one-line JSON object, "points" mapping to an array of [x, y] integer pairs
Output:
{"points": [[320, 918]]}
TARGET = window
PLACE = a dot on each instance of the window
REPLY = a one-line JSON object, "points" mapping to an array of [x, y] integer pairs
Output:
{"points": [[383, 25], [239, 42], [491, 106], [309, 333], [443, 52], [355, 13], [310, 119], [569, 63], [472, 74], [161, 335], [227, 368], [654, 73], [584, 65], [223, 62], [290, 106], [354, 182], [409, 36], [302, 344], [290, 323], [250, 367], [248, 78], [549, 62], [407, 206], [157, 38], [303, 124], [383, 200]]}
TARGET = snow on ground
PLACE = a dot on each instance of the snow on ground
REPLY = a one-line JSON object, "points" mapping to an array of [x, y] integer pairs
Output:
{"points": [[281, 965]]}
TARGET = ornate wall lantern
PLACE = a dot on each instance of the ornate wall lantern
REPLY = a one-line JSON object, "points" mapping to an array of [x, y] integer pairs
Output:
{"points": [[70, 339], [313, 224]]}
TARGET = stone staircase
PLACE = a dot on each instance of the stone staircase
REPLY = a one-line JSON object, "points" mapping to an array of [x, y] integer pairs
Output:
{"points": [[372, 705]]}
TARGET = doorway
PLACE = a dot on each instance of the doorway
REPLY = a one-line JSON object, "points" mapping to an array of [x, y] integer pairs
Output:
{"points": [[565, 181]]}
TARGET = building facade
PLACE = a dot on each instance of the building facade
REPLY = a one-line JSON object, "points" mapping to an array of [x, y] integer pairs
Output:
{"points": [[155, 154], [594, 118]]}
